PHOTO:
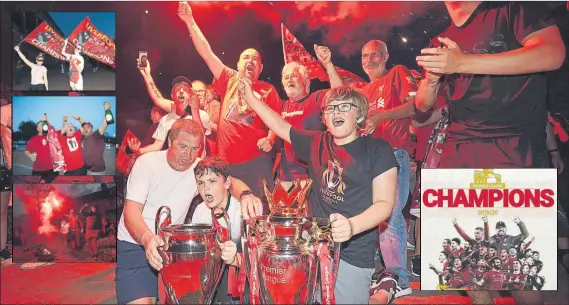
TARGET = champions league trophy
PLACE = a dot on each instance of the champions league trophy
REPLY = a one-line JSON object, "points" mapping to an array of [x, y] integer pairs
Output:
{"points": [[286, 253], [192, 258]]}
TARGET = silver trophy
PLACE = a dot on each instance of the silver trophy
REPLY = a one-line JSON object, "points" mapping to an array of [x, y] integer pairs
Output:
{"points": [[192, 258], [288, 256]]}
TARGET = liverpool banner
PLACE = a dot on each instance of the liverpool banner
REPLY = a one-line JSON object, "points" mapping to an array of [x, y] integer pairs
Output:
{"points": [[46, 39], [94, 43], [295, 52], [125, 161]]}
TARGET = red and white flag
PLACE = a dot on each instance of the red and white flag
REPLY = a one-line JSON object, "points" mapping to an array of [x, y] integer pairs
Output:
{"points": [[295, 52], [125, 161], [95, 43], [46, 39]]}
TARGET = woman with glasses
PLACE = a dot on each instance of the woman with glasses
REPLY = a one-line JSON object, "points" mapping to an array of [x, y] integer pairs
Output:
{"points": [[354, 183], [39, 71]]}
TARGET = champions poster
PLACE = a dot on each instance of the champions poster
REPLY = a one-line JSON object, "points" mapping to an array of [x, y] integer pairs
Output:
{"points": [[489, 229], [94, 43]]}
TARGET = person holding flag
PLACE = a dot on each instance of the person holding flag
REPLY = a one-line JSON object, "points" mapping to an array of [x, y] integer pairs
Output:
{"points": [[76, 65], [38, 80]]}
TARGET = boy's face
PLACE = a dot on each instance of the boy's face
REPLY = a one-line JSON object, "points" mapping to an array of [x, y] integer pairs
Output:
{"points": [[340, 118], [213, 188]]}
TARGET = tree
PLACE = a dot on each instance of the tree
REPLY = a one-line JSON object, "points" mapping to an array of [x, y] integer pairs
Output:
{"points": [[28, 129]]}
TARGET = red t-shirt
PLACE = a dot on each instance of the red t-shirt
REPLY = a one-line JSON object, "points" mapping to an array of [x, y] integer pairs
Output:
{"points": [[239, 127], [38, 144], [72, 150], [423, 133], [303, 114], [494, 280], [389, 92]]}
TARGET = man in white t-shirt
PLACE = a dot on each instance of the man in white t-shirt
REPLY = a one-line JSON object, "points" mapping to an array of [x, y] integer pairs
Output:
{"points": [[212, 175], [38, 80], [161, 178], [76, 66]]}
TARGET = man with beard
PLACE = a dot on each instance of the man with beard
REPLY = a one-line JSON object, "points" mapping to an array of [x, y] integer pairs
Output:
{"points": [[480, 270], [37, 150], [503, 241], [93, 144], [39, 71], [506, 261], [302, 110], [493, 58], [76, 65], [179, 107], [156, 114], [480, 234], [493, 279], [516, 280], [160, 178], [69, 138], [390, 118], [242, 137]]}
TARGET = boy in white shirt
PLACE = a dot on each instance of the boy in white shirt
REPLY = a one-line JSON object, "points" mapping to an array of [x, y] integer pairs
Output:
{"points": [[212, 176]]}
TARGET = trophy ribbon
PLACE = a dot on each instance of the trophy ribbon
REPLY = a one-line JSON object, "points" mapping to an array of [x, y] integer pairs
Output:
{"points": [[327, 277], [254, 275]]}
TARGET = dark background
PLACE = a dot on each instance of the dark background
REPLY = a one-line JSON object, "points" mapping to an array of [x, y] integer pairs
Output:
{"points": [[231, 27]]}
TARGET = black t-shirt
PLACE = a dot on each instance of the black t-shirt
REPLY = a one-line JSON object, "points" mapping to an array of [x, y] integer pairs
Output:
{"points": [[490, 106], [342, 182]]}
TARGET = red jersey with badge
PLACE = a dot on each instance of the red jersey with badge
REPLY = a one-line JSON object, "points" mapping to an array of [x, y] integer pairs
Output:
{"points": [[239, 127], [303, 114], [389, 92], [38, 145], [72, 150]]}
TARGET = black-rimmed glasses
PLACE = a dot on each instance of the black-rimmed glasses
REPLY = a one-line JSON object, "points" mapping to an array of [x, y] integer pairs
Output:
{"points": [[343, 107]]}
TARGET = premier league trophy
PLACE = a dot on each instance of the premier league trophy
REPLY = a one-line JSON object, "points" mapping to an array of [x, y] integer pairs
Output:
{"points": [[286, 253], [192, 258]]}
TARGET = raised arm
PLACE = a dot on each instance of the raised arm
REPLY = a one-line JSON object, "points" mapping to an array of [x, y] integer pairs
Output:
{"points": [[200, 42], [45, 80], [63, 52], [461, 231], [104, 124], [272, 119], [153, 92], [23, 57], [325, 57]]}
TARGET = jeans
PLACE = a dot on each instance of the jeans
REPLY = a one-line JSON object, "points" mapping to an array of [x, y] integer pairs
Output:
{"points": [[393, 239], [352, 285]]}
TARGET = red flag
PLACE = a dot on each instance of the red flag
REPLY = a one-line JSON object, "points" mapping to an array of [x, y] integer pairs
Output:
{"points": [[46, 39], [125, 161], [295, 52], [95, 43]]}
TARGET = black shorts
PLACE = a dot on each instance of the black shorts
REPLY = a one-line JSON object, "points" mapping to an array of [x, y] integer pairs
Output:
{"points": [[76, 172], [45, 175], [40, 87]]}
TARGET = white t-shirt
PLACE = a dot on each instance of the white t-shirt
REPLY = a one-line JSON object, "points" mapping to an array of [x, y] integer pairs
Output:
{"points": [[37, 74], [168, 120], [202, 214], [154, 183]]}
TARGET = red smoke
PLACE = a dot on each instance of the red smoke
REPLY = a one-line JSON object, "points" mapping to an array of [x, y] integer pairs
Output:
{"points": [[40, 203], [348, 25]]}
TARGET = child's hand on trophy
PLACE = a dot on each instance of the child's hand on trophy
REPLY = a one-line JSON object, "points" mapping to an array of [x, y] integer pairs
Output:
{"points": [[228, 252], [341, 227]]}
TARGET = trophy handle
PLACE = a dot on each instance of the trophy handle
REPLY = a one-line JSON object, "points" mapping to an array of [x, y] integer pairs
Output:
{"points": [[159, 213], [217, 214]]}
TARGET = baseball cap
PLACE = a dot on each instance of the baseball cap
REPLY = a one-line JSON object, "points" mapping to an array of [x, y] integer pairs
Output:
{"points": [[180, 79], [87, 123], [500, 224]]}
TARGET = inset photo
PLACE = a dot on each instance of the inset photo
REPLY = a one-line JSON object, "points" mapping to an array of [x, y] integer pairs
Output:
{"points": [[64, 223], [63, 135], [64, 51]]}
